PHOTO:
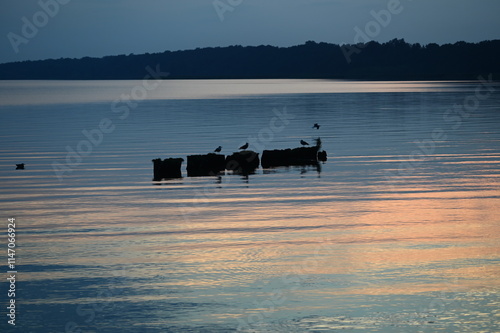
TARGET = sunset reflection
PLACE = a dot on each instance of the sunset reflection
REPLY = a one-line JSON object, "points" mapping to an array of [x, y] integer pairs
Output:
{"points": [[368, 243]]}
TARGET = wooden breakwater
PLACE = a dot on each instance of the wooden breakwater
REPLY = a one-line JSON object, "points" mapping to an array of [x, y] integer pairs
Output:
{"points": [[243, 162]]}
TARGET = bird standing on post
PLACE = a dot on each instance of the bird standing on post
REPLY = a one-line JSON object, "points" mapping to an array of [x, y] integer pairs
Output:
{"points": [[245, 146], [218, 149], [302, 142]]}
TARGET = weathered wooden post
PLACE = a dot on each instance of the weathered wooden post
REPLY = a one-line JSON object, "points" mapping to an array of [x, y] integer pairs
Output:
{"points": [[168, 168], [244, 162], [288, 157], [205, 165]]}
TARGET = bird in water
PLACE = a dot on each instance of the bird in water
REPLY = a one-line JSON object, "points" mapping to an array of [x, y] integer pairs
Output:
{"points": [[245, 146], [218, 149], [316, 126], [302, 142], [20, 166]]}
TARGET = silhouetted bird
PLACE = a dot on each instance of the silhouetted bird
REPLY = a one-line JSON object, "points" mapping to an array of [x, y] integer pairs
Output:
{"points": [[302, 142], [218, 149], [20, 166], [316, 126], [318, 142], [245, 146]]}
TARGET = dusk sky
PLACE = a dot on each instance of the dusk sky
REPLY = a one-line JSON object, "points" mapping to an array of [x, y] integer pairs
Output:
{"points": [[78, 28]]}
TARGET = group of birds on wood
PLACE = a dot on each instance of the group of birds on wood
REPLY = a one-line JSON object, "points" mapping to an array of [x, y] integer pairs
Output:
{"points": [[217, 150], [245, 146]]}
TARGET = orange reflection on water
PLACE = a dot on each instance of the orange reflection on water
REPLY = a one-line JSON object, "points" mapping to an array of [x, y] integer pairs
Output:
{"points": [[381, 242]]}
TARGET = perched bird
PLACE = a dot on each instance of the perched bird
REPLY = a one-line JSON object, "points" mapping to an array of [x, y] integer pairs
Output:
{"points": [[20, 166], [316, 126], [302, 142], [245, 146], [218, 149], [318, 142]]}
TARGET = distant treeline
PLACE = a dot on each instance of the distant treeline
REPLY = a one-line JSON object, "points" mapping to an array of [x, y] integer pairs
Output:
{"points": [[394, 60]]}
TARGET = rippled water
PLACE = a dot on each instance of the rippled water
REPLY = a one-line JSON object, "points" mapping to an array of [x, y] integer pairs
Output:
{"points": [[399, 231]]}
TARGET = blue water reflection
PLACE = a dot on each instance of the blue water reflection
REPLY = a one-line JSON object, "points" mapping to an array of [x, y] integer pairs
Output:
{"points": [[380, 240]]}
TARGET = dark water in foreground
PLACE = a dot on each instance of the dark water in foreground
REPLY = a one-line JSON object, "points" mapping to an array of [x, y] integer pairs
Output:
{"points": [[398, 232]]}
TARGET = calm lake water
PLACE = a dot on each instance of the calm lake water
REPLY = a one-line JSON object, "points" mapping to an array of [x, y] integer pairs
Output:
{"points": [[399, 231]]}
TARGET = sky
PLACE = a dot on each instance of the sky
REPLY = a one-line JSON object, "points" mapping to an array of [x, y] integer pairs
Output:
{"points": [[43, 29]]}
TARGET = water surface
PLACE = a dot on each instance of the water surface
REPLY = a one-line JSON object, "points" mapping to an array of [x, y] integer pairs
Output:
{"points": [[397, 232]]}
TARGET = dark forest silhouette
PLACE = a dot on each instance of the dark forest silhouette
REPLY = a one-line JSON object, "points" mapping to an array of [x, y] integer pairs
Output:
{"points": [[394, 60]]}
